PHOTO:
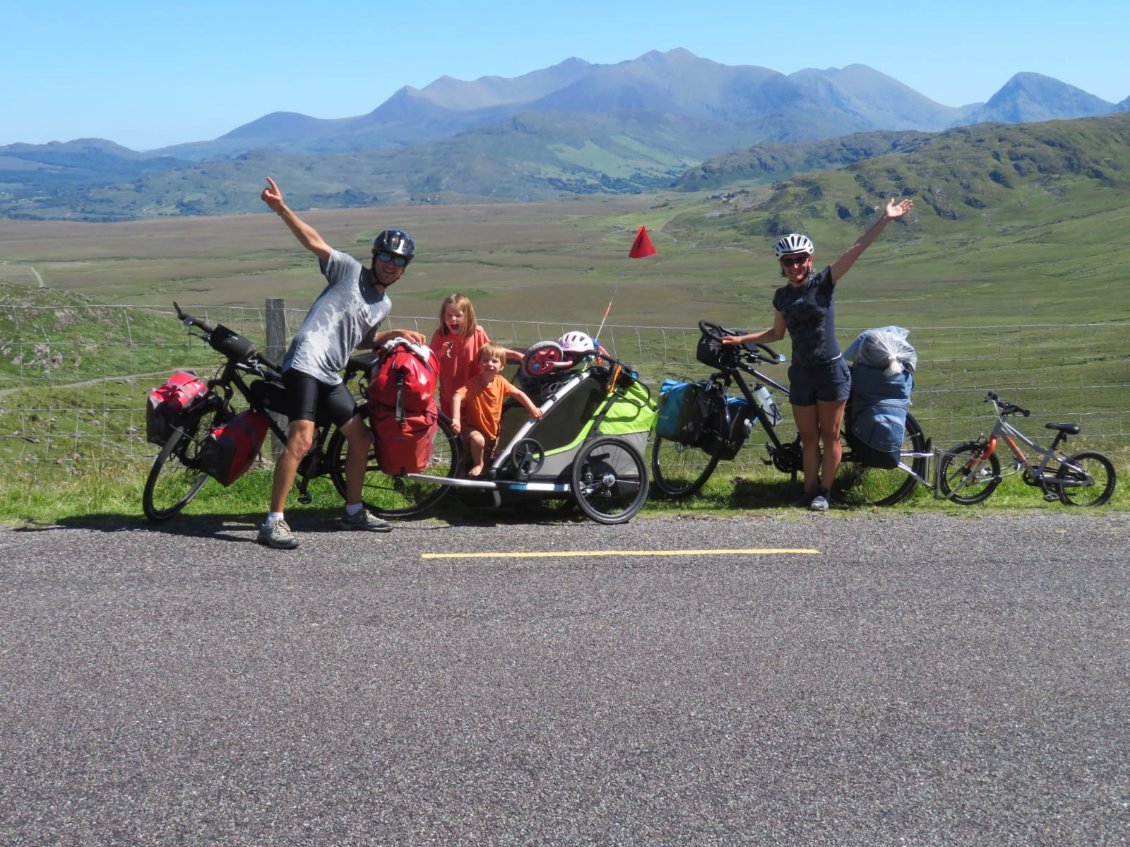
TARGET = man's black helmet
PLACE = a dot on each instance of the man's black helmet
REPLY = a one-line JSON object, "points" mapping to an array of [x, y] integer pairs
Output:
{"points": [[395, 241]]}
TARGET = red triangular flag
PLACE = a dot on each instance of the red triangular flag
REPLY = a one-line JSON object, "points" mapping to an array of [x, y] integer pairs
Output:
{"points": [[641, 246]]}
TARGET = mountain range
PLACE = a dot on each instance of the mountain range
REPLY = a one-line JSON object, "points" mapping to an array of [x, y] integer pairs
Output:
{"points": [[574, 127]]}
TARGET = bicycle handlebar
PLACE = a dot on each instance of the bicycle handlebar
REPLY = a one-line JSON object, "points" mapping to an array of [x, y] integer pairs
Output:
{"points": [[1004, 408], [190, 321], [230, 344], [717, 331]]}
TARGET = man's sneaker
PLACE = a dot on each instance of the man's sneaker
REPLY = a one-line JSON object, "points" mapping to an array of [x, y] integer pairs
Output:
{"points": [[364, 521], [277, 535], [821, 502]]}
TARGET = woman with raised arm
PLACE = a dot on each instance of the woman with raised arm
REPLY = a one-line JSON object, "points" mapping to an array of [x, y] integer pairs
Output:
{"points": [[819, 379]]}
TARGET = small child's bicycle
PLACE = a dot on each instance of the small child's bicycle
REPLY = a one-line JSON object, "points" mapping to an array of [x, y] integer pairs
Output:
{"points": [[971, 471]]}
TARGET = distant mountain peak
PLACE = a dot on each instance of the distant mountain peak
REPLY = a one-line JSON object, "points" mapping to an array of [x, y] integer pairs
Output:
{"points": [[1030, 97]]}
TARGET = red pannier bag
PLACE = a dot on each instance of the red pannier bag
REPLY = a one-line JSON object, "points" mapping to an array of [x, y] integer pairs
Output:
{"points": [[167, 401], [404, 445], [230, 448], [402, 406], [403, 377]]}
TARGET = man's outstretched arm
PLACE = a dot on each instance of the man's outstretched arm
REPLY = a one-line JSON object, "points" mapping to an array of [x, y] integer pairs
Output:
{"points": [[307, 236]]}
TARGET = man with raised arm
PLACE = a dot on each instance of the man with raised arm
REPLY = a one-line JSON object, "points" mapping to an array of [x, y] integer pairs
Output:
{"points": [[344, 317]]}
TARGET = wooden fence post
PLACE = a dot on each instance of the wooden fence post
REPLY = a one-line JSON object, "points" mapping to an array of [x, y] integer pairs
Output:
{"points": [[276, 348]]}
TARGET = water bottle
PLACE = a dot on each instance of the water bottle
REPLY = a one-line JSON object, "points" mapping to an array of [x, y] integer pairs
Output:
{"points": [[767, 405]]}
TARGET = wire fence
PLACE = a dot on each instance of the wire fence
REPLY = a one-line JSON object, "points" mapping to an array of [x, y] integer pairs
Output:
{"points": [[73, 381]]}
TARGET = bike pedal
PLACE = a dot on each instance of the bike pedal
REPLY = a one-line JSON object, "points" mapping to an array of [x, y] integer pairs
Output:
{"points": [[1051, 498], [305, 499]]}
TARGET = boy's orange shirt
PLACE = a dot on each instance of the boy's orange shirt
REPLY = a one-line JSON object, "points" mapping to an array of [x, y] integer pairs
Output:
{"points": [[481, 406]]}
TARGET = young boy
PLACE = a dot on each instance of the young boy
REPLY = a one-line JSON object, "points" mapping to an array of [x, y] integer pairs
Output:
{"points": [[480, 400]]}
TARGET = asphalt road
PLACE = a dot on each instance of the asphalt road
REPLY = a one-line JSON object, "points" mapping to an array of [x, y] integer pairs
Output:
{"points": [[870, 679]]}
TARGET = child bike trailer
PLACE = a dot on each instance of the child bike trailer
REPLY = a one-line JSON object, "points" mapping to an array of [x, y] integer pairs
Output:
{"points": [[589, 445]]}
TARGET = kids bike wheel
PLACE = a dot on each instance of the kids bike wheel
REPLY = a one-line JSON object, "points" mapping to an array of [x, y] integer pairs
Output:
{"points": [[965, 476], [174, 479], [873, 486], [398, 496], [679, 470], [609, 480], [1085, 479]]}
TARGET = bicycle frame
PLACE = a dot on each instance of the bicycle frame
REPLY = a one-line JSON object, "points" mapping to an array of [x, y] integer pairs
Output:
{"points": [[1035, 473], [785, 457]]}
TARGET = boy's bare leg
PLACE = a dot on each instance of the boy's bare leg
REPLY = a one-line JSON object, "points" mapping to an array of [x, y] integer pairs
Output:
{"points": [[476, 445]]}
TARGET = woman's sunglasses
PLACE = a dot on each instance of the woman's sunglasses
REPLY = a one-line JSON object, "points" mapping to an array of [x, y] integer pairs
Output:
{"points": [[793, 261]]}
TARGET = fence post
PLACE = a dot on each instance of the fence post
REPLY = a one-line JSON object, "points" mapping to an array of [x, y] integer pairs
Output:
{"points": [[276, 347]]}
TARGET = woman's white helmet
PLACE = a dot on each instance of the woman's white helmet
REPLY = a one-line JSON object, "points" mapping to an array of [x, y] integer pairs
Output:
{"points": [[576, 343], [794, 242]]}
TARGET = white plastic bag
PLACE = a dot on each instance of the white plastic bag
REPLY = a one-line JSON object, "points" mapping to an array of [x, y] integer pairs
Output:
{"points": [[885, 348]]}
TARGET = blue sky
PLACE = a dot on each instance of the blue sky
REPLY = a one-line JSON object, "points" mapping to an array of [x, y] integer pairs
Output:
{"points": [[153, 73]]}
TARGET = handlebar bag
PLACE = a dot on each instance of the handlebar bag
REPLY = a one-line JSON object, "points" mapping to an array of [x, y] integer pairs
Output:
{"points": [[230, 448], [167, 401], [231, 344], [713, 353]]}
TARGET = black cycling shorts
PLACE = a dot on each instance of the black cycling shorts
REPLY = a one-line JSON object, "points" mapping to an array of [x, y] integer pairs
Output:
{"points": [[310, 399]]}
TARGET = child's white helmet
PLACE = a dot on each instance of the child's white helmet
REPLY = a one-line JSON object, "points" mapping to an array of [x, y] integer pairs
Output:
{"points": [[576, 343]]}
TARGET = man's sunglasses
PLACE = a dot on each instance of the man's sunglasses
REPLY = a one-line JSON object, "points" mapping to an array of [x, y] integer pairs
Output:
{"points": [[399, 261], [792, 261]]}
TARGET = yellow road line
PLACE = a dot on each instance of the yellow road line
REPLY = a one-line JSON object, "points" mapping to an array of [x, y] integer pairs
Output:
{"points": [[573, 554]]}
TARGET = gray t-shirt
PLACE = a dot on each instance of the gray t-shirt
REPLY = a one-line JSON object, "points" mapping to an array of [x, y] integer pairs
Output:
{"points": [[345, 314]]}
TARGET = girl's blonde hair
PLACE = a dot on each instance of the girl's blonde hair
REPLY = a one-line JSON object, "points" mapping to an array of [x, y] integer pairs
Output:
{"points": [[463, 303]]}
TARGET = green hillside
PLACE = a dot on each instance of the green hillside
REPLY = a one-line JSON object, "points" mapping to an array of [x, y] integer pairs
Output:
{"points": [[993, 203]]}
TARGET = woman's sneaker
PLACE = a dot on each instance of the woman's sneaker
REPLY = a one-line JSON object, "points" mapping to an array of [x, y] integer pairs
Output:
{"points": [[821, 502], [363, 521], [277, 535]]}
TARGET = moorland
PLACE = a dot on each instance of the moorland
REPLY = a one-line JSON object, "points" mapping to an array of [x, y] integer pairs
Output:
{"points": [[1011, 273]]}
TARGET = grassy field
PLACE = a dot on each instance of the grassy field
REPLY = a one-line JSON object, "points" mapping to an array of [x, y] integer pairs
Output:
{"points": [[1037, 310]]}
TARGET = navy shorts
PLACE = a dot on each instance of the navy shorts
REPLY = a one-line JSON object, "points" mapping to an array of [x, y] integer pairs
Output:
{"points": [[310, 399], [830, 382]]}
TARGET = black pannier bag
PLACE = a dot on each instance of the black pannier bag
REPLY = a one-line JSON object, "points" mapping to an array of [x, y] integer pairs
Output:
{"points": [[684, 409], [699, 414]]}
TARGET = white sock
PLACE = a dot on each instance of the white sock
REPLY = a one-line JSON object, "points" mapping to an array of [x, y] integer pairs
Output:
{"points": [[353, 508], [273, 518]]}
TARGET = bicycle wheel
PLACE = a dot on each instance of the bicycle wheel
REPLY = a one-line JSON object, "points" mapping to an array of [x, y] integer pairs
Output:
{"points": [[174, 479], [1085, 479], [609, 480], [859, 484], [680, 470], [399, 496], [966, 476]]}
